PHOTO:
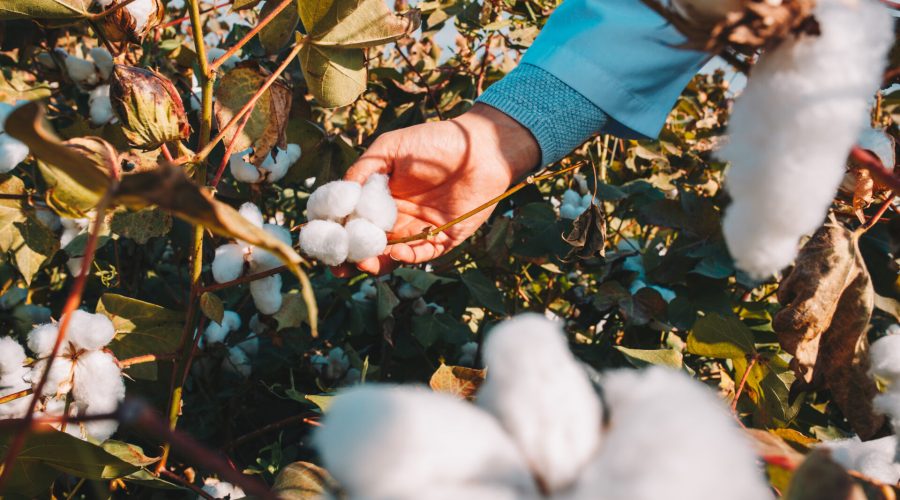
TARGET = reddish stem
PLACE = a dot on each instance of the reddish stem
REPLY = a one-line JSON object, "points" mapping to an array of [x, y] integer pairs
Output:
{"points": [[188, 18], [228, 151], [879, 172], [243, 279], [14, 396], [250, 34], [743, 382]]}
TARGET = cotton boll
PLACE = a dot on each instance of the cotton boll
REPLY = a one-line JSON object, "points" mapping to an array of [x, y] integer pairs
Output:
{"points": [[266, 294], [59, 380], [376, 203], [12, 152], [98, 380], [89, 331], [82, 71], [237, 362], [793, 127], [10, 383], [231, 320], [333, 366], [42, 338], [222, 489], [884, 356], [468, 353], [873, 458], [250, 346], [242, 170], [691, 430], [141, 10], [333, 201], [215, 332], [101, 106], [367, 291], [365, 240], [570, 212], [12, 356], [542, 397], [251, 212], [263, 260], [228, 264], [103, 60], [284, 158], [256, 325], [325, 241], [380, 442], [571, 197]]}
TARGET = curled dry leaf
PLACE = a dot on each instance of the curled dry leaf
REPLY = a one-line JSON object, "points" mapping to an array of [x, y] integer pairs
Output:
{"points": [[588, 235], [148, 106], [265, 128], [121, 25], [828, 300], [303, 480], [459, 381]]}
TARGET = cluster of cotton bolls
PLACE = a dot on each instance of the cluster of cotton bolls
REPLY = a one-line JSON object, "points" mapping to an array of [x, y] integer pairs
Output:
{"points": [[240, 356], [878, 459], [335, 367], [635, 264], [90, 76], [273, 168], [229, 262], [574, 204], [217, 488], [12, 151], [348, 221], [793, 127], [84, 376], [538, 430]]}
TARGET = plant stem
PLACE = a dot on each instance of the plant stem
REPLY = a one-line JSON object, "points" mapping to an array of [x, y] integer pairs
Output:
{"points": [[100, 15], [249, 36], [228, 151], [14, 396], [146, 358], [423, 82], [743, 382], [187, 484], [880, 213], [188, 17]]}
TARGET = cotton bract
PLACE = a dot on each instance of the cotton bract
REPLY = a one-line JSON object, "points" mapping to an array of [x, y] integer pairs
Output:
{"points": [[792, 129]]}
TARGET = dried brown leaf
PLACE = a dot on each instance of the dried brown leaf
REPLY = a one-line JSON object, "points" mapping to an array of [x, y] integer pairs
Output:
{"points": [[457, 380], [588, 235]]}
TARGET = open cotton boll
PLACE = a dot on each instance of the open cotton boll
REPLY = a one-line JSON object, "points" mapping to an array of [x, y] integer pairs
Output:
{"points": [[12, 152], [793, 127], [468, 354], [691, 431], [376, 203], [10, 383], [101, 106], [221, 489], [228, 264], [325, 241], [266, 294], [333, 201], [873, 458], [82, 71], [365, 240], [103, 60], [98, 380], [542, 397], [237, 362], [380, 442], [884, 356], [241, 169], [12, 356], [89, 331], [252, 213], [42, 338], [278, 166], [250, 345], [570, 212], [141, 11], [59, 380], [264, 260], [216, 332], [408, 291]]}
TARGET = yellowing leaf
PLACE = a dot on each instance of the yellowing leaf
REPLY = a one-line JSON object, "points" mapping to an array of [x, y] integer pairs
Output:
{"points": [[28, 241], [335, 76], [301, 481], [457, 380], [44, 9], [275, 35], [723, 337], [141, 328]]}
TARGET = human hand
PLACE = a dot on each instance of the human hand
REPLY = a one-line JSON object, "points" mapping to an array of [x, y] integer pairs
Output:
{"points": [[439, 171]]}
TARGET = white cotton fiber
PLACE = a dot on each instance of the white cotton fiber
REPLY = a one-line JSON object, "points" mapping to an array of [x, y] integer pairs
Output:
{"points": [[237, 362], [89, 331], [542, 397], [98, 380], [216, 332], [82, 71], [103, 60], [222, 489], [13, 382], [241, 169], [263, 260], [250, 345], [228, 264], [793, 127], [59, 380], [231, 320], [364, 240], [333, 366], [42, 338], [252, 213], [467, 354], [879, 142], [404, 443], [884, 356], [325, 241], [12, 356], [664, 428], [873, 458], [408, 291], [141, 10], [376, 203], [266, 294], [12, 152], [278, 166], [333, 201]]}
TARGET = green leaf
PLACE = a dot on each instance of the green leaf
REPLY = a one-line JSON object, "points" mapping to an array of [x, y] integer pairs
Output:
{"points": [[140, 225], [44, 9], [484, 291], [29, 242], [644, 357], [302, 481], [386, 301], [141, 328], [336, 77], [275, 35], [423, 280], [212, 307], [325, 158], [723, 337], [127, 452], [293, 312], [430, 328]]}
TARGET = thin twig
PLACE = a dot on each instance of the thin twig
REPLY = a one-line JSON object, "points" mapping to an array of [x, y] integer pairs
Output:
{"points": [[268, 428], [880, 213], [100, 15], [423, 82], [188, 17], [187, 484], [146, 358], [16, 395], [879, 172], [228, 151], [743, 382], [250, 34]]}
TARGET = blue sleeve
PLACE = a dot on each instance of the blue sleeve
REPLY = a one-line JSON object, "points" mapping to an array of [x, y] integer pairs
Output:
{"points": [[620, 62]]}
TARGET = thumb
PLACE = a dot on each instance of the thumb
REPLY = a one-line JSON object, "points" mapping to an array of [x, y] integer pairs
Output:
{"points": [[378, 159]]}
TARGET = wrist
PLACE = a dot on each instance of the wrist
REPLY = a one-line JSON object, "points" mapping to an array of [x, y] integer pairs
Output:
{"points": [[495, 133]]}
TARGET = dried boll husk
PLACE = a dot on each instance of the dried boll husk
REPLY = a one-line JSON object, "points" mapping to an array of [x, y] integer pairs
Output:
{"points": [[148, 106], [132, 22]]}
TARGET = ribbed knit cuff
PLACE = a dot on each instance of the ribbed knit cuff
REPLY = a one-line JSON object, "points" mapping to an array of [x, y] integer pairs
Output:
{"points": [[558, 116]]}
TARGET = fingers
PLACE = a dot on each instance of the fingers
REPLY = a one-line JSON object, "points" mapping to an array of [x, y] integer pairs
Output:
{"points": [[378, 159]]}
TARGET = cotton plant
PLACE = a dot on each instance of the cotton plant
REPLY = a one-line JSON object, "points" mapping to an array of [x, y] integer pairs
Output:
{"points": [[335, 367], [878, 459], [71, 229], [101, 111], [239, 357], [574, 204], [217, 488], [348, 221], [273, 168], [85, 377], [635, 264], [367, 291], [793, 127], [12, 151], [539, 429], [233, 259]]}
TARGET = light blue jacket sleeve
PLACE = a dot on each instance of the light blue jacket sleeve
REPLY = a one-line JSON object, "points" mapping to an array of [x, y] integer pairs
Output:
{"points": [[612, 65]]}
